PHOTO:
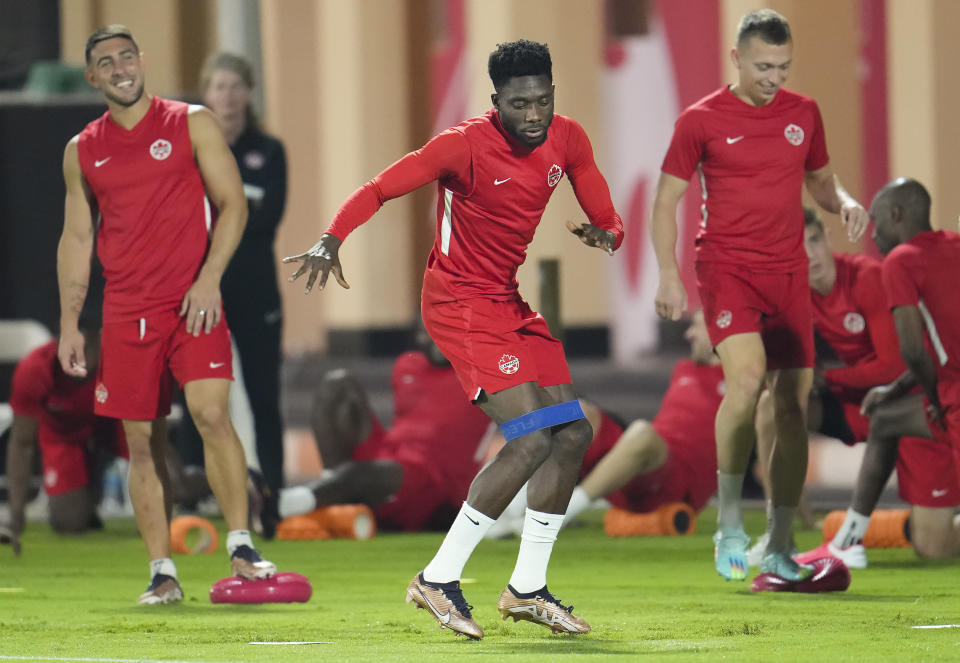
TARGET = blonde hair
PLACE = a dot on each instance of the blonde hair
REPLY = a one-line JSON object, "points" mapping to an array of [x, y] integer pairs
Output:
{"points": [[236, 64]]}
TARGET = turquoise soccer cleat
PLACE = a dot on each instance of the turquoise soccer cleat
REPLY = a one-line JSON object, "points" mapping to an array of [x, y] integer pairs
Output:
{"points": [[782, 564], [730, 553]]}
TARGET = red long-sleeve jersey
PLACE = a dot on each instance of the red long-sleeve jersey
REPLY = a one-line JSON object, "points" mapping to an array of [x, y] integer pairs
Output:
{"points": [[854, 319], [492, 194]]}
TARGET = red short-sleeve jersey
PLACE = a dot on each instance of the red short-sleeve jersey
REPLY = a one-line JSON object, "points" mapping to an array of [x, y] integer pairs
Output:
{"points": [[855, 320], [924, 272], [155, 216], [752, 161]]}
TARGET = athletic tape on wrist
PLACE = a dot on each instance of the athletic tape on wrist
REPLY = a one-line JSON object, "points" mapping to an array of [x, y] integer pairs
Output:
{"points": [[545, 417]]}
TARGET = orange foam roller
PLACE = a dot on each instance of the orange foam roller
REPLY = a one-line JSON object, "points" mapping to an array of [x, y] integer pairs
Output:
{"points": [[674, 519], [183, 526], [301, 528], [888, 528], [340, 521]]}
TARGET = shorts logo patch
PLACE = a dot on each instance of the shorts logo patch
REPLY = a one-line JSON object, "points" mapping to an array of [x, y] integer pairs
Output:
{"points": [[161, 149], [50, 478], [101, 393], [509, 364], [724, 319], [854, 323], [722, 388], [254, 160], [554, 175], [793, 134]]}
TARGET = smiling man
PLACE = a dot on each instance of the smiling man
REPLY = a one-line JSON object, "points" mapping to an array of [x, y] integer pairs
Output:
{"points": [[495, 174], [148, 166], [754, 145]]}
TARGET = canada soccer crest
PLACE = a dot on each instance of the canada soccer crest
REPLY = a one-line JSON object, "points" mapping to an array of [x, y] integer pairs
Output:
{"points": [[554, 175], [724, 319], [854, 323], [101, 393], [509, 364], [793, 134], [161, 149]]}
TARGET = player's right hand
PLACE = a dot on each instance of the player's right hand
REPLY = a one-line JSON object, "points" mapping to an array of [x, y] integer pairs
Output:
{"points": [[671, 300], [320, 260], [70, 352], [876, 397]]}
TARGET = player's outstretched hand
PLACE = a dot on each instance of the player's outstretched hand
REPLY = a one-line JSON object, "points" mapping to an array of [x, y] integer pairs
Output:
{"points": [[70, 352], [855, 219], [201, 305], [671, 299], [591, 235], [321, 259], [9, 537]]}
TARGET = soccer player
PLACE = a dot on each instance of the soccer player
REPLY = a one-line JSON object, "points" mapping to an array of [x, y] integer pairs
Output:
{"points": [[754, 144], [919, 273], [650, 464], [148, 165], [495, 174], [55, 412], [851, 315]]}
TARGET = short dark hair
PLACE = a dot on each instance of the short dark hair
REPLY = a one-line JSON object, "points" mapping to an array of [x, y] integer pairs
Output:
{"points": [[105, 33], [811, 218], [767, 24], [519, 58]]}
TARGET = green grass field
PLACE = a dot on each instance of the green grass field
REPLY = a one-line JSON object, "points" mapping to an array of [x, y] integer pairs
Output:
{"points": [[646, 598]]}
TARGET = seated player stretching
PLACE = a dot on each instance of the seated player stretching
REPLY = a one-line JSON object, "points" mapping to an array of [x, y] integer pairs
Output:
{"points": [[495, 174], [919, 273], [851, 315]]}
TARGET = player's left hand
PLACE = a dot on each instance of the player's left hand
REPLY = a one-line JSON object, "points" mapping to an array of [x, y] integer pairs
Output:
{"points": [[855, 219], [937, 416], [591, 235], [201, 305]]}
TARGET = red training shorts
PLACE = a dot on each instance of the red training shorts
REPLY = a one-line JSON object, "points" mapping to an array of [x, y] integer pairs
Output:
{"points": [[777, 306], [68, 459], [926, 474], [493, 345], [138, 358]]}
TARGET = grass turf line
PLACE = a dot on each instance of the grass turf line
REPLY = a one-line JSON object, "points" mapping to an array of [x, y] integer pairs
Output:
{"points": [[643, 596]]}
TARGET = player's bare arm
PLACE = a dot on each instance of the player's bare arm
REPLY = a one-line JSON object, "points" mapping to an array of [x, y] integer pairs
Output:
{"points": [[593, 236], [909, 323], [671, 299], [221, 178], [73, 262], [825, 187], [23, 440], [320, 260]]}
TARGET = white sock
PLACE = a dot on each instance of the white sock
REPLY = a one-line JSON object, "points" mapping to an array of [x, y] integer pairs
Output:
{"points": [[579, 502], [539, 533], [296, 501], [163, 565], [852, 531], [237, 538], [462, 537], [729, 488], [781, 529]]}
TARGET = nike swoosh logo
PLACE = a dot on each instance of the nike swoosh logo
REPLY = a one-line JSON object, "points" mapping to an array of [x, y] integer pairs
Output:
{"points": [[475, 522], [541, 522], [217, 365], [497, 182], [731, 141], [940, 493], [100, 162], [444, 618]]}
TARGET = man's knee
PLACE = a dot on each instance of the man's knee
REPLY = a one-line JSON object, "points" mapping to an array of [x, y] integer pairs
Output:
{"points": [[932, 533], [532, 449], [745, 383], [574, 437], [211, 417], [646, 448], [70, 513]]}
